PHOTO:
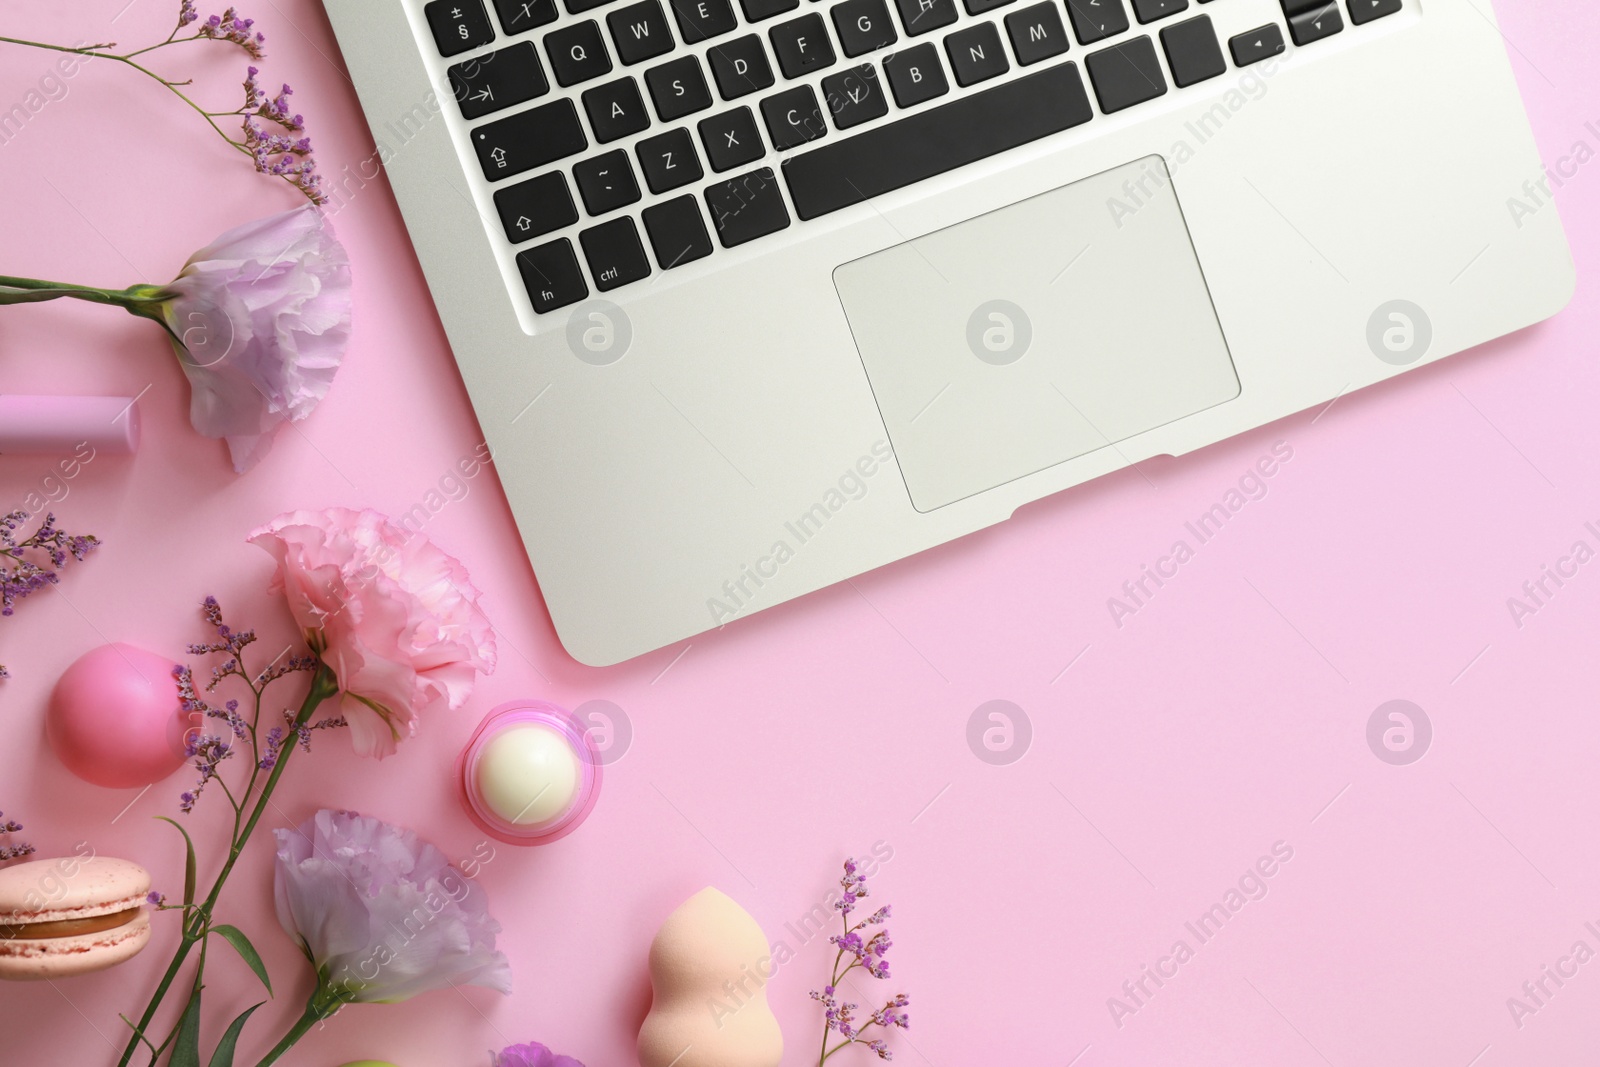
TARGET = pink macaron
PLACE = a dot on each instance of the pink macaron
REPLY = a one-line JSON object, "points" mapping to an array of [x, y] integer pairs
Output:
{"points": [[64, 917]]}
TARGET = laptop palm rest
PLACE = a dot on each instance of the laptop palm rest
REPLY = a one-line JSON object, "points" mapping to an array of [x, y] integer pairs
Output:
{"points": [[1037, 333]]}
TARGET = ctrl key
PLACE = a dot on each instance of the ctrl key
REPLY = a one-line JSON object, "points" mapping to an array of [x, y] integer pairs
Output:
{"points": [[552, 275], [615, 254]]}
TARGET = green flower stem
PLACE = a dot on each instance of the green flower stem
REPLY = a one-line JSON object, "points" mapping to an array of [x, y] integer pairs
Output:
{"points": [[198, 922], [324, 1004]]}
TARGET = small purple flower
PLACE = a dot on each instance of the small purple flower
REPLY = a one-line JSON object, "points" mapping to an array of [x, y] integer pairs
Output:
{"points": [[532, 1054], [156, 900], [230, 27], [22, 571], [18, 850], [871, 955]]}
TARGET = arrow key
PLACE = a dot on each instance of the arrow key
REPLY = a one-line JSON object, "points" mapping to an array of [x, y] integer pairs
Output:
{"points": [[1364, 11], [1256, 45], [498, 80], [535, 207], [1319, 22]]}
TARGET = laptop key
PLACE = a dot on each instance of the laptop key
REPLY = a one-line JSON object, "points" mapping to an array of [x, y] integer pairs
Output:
{"points": [[802, 46], [701, 20], [1126, 74], [678, 88], [458, 25], [756, 10], [615, 110], [669, 161], [1255, 45], [855, 96], [747, 207], [1095, 20], [1364, 11], [518, 16], [615, 254], [915, 75], [740, 66], [552, 275], [863, 26], [976, 54], [677, 232], [1150, 10], [1193, 54], [731, 139], [577, 53], [498, 80], [535, 207], [576, 6], [936, 140], [1314, 25], [531, 139], [925, 16], [793, 117], [1036, 33], [978, 7], [606, 182], [640, 32]]}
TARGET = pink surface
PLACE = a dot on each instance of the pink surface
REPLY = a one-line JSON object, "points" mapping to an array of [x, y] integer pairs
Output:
{"points": [[1168, 755]]}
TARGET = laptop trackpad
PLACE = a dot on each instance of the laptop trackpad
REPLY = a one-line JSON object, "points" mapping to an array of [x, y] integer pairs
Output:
{"points": [[1037, 333]]}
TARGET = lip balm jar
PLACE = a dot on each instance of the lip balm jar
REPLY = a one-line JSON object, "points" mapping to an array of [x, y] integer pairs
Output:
{"points": [[530, 774]]}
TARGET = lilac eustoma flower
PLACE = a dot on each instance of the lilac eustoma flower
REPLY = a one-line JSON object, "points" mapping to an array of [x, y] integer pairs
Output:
{"points": [[260, 319], [381, 913], [533, 1054]]}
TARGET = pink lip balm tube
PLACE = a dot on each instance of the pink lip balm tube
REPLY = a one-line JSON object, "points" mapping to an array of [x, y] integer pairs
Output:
{"points": [[60, 425]]}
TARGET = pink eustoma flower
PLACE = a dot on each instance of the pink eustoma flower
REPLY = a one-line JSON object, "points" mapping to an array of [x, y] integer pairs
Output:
{"points": [[532, 1054], [394, 617]]}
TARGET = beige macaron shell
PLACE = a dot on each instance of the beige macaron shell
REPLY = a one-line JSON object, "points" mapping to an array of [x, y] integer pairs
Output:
{"points": [[29, 960]]}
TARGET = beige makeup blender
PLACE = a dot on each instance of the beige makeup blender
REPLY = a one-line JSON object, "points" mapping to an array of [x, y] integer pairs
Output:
{"points": [[708, 968]]}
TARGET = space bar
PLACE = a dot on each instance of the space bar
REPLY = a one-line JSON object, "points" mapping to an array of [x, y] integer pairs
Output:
{"points": [[937, 140]]}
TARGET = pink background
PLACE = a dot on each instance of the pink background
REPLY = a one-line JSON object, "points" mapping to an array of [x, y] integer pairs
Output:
{"points": [[1227, 715]]}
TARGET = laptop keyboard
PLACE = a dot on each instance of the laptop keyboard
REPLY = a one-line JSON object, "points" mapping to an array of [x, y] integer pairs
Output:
{"points": [[787, 115]]}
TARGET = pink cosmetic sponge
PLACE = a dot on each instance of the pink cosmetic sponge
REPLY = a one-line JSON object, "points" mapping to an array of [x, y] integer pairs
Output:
{"points": [[60, 918], [115, 719]]}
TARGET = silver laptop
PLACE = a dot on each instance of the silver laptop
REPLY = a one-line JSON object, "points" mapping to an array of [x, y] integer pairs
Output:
{"points": [[752, 296]]}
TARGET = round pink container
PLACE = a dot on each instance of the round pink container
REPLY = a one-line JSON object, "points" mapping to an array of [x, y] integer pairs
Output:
{"points": [[114, 718], [474, 759]]}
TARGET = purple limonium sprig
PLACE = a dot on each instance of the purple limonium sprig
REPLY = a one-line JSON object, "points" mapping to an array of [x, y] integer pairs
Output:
{"points": [[857, 947], [15, 850], [28, 564], [271, 151]]}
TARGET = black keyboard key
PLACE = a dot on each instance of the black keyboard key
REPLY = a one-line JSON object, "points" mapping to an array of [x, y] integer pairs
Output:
{"points": [[915, 75], [615, 110], [519, 16], [937, 140], [863, 26], [855, 96], [756, 10], [535, 207], [552, 275], [528, 140], [1364, 11], [802, 46], [606, 182], [793, 117], [925, 16], [1126, 74], [1322, 21], [701, 20], [678, 88], [748, 207], [978, 7], [1193, 54], [577, 53], [640, 32], [1261, 43], [1292, 8], [740, 66], [731, 139], [976, 54], [575, 6], [458, 25], [1095, 20], [1036, 33], [677, 232], [615, 255], [498, 80], [669, 161], [1150, 10]]}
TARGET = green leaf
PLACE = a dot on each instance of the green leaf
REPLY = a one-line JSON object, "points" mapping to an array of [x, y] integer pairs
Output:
{"points": [[235, 937], [223, 1057], [186, 1049], [188, 863]]}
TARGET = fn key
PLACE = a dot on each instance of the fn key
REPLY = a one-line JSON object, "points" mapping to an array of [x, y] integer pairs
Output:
{"points": [[552, 275]]}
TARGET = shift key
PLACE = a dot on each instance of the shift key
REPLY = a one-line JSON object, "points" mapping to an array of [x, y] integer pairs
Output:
{"points": [[529, 139]]}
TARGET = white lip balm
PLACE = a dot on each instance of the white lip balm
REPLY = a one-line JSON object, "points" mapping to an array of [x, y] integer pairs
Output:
{"points": [[528, 775]]}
